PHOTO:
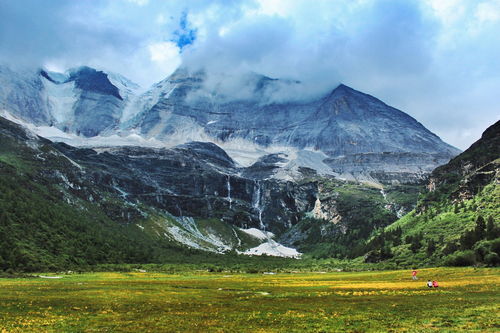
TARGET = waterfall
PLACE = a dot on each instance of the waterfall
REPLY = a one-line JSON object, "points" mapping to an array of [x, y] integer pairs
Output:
{"points": [[388, 205], [229, 191], [256, 203], [383, 194]]}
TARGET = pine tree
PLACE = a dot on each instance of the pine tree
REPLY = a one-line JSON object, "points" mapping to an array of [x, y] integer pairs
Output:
{"points": [[415, 244], [450, 248], [3, 217], [385, 252], [480, 228], [468, 240], [491, 229], [431, 247], [408, 239], [396, 241]]}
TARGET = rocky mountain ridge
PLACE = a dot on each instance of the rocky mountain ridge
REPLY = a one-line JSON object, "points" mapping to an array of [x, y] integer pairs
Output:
{"points": [[192, 195], [345, 134], [170, 191], [468, 173], [455, 221]]}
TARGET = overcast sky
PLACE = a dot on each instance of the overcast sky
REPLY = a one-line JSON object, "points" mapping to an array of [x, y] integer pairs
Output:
{"points": [[438, 60]]}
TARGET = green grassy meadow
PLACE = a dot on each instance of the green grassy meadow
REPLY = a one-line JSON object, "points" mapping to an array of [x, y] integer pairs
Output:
{"points": [[468, 300]]}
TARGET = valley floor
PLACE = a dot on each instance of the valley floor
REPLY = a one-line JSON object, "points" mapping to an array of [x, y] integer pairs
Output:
{"points": [[468, 299]]}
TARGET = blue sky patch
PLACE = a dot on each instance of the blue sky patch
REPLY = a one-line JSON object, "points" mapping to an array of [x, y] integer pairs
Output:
{"points": [[184, 35]]}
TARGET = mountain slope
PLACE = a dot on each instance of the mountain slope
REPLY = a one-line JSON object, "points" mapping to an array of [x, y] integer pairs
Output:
{"points": [[164, 200], [347, 134], [457, 220], [45, 226], [21, 94], [344, 122], [346, 125], [82, 101], [57, 211]]}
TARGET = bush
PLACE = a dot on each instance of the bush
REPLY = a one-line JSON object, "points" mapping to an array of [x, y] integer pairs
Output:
{"points": [[481, 249], [461, 258], [495, 246], [492, 259], [449, 248]]}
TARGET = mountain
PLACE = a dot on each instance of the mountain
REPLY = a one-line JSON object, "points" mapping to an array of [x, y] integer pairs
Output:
{"points": [[21, 94], [165, 200], [82, 101], [457, 221], [63, 206], [342, 123], [188, 167], [346, 134], [345, 127]]}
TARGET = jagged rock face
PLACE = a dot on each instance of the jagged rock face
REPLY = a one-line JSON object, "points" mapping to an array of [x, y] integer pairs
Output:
{"points": [[326, 209], [97, 104], [82, 101], [197, 180], [265, 167], [356, 135], [21, 93], [470, 171], [344, 122], [473, 182], [348, 126], [342, 211], [388, 167], [283, 203]]}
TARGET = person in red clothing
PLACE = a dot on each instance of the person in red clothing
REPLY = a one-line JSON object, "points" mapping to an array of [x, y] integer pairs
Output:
{"points": [[414, 275], [435, 284]]}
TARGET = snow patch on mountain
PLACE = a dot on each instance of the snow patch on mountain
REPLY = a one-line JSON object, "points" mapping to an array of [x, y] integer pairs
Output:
{"points": [[55, 134], [243, 152], [269, 247], [122, 83], [131, 139], [61, 99], [273, 248], [185, 230], [257, 233], [145, 101], [184, 237]]}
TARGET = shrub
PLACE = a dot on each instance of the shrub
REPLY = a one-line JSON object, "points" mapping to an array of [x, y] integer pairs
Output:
{"points": [[492, 259], [449, 248], [495, 246], [461, 258], [481, 249]]}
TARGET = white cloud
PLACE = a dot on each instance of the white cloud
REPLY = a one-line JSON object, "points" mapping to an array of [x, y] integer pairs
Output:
{"points": [[448, 11], [160, 19], [435, 59], [488, 11], [164, 52], [139, 2]]}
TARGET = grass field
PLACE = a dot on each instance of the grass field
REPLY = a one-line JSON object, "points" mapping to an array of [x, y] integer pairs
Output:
{"points": [[468, 299]]}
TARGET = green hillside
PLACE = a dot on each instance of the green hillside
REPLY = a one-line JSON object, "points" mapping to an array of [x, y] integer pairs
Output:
{"points": [[54, 214], [354, 211], [51, 217], [456, 222]]}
